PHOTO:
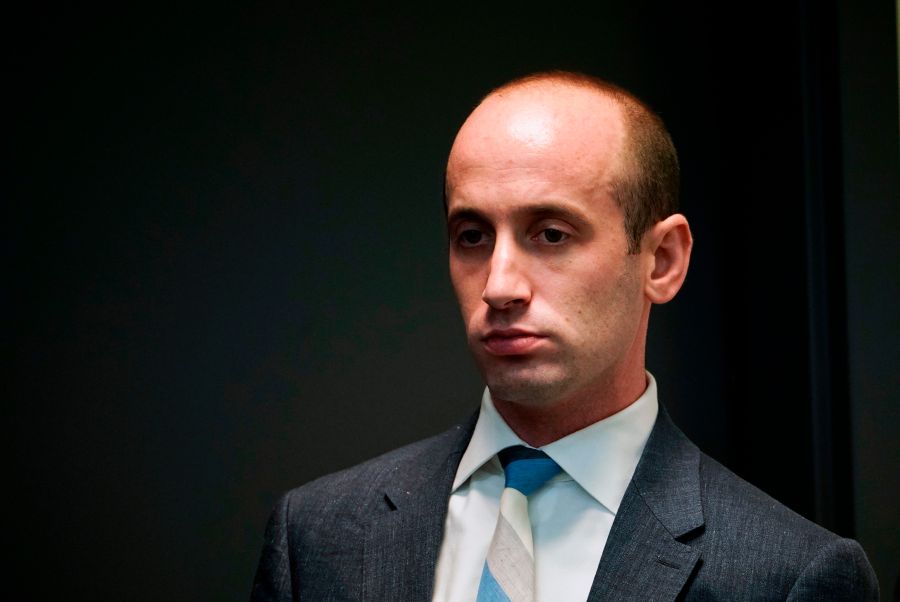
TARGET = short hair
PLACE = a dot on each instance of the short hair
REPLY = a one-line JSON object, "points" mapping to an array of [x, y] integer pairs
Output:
{"points": [[646, 190]]}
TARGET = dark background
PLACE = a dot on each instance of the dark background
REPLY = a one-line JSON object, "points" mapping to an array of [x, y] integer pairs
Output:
{"points": [[226, 261]]}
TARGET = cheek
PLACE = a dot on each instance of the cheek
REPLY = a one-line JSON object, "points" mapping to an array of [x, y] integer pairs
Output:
{"points": [[468, 287], [594, 305]]}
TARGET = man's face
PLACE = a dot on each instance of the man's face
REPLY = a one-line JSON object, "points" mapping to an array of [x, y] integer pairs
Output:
{"points": [[552, 302]]}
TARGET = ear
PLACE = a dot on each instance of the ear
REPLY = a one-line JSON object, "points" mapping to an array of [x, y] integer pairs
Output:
{"points": [[668, 244]]}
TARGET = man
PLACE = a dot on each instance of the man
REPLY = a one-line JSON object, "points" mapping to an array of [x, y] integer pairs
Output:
{"points": [[561, 196]]}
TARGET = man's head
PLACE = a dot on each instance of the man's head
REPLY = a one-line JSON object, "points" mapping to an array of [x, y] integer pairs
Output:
{"points": [[560, 195]]}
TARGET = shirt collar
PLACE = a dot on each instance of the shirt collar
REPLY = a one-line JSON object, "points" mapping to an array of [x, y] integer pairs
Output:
{"points": [[601, 457]]}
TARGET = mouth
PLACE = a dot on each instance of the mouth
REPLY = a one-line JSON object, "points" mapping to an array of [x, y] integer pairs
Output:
{"points": [[511, 341]]}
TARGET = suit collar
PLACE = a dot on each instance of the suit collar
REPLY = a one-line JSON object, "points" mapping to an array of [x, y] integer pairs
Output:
{"points": [[668, 478], [644, 557], [407, 526]]}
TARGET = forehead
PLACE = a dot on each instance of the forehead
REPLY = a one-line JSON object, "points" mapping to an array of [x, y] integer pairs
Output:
{"points": [[563, 132]]}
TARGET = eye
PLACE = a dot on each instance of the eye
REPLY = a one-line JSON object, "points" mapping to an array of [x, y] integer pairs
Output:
{"points": [[552, 236], [471, 237]]}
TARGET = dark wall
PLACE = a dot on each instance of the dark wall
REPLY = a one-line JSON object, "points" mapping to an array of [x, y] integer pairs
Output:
{"points": [[227, 260], [871, 157]]}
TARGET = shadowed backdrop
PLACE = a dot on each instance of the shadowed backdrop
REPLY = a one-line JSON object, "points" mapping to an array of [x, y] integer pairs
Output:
{"points": [[227, 261]]}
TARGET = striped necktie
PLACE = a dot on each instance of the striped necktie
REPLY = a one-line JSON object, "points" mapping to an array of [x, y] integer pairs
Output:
{"points": [[508, 574]]}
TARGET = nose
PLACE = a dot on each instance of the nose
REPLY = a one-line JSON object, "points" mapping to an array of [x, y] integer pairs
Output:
{"points": [[507, 283]]}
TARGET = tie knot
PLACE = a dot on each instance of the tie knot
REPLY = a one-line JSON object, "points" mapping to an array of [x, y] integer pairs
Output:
{"points": [[527, 469]]}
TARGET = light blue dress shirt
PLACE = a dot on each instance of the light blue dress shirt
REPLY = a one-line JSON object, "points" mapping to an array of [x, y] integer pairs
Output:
{"points": [[571, 516]]}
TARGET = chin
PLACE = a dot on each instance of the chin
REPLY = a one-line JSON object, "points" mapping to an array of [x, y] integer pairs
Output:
{"points": [[525, 386]]}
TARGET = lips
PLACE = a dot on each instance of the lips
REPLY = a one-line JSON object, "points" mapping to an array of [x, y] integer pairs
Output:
{"points": [[511, 341]]}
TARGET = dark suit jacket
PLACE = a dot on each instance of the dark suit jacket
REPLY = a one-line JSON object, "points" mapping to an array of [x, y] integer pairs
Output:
{"points": [[687, 528]]}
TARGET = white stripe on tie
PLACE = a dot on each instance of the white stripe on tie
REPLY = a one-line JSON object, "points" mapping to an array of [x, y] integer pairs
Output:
{"points": [[508, 573]]}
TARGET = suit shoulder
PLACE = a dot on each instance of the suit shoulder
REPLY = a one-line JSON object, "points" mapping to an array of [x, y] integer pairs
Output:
{"points": [[752, 542], [732, 502]]}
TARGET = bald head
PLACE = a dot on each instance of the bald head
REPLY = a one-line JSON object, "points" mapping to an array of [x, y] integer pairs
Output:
{"points": [[579, 122]]}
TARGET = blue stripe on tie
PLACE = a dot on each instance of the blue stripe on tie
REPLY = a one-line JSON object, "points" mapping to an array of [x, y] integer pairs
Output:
{"points": [[488, 589], [527, 469]]}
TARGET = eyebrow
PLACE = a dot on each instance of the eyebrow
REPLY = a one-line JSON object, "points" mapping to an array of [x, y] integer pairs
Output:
{"points": [[537, 210]]}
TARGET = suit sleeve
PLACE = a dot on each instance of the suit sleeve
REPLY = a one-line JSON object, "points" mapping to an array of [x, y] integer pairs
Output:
{"points": [[840, 571], [273, 575]]}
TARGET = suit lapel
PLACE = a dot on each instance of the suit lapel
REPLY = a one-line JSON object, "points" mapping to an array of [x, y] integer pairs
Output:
{"points": [[407, 528], [643, 558]]}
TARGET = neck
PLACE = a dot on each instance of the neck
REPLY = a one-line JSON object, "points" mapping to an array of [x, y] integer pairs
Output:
{"points": [[541, 424]]}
